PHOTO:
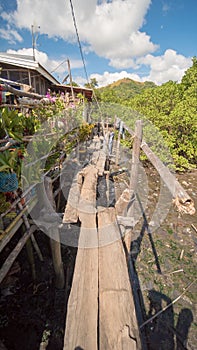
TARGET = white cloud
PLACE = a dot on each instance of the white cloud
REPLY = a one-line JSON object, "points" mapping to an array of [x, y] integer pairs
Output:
{"points": [[170, 66], [108, 78], [110, 29], [10, 35]]}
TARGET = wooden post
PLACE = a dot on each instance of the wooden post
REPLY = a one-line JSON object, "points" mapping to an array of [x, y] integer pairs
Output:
{"points": [[55, 243], [133, 178], [136, 156], [71, 83], [118, 147]]}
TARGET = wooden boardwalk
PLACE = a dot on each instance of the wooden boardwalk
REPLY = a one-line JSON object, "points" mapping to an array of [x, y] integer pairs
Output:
{"points": [[101, 309], [101, 312]]}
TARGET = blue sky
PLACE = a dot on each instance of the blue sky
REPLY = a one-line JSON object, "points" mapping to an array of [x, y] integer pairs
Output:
{"points": [[140, 39]]}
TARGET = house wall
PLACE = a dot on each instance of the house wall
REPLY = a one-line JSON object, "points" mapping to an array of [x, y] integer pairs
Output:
{"points": [[26, 76]]}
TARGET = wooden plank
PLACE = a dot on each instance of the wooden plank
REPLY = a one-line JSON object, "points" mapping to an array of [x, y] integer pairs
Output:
{"points": [[87, 202], [118, 327], [13, 255], [95, 157], [82, 311], [100, 166], [122, 202], [71, 211]]}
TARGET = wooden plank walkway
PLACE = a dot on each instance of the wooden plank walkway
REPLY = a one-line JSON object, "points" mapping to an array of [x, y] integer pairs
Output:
{"points": [[117, 318], [100, 312], [82, 314]]}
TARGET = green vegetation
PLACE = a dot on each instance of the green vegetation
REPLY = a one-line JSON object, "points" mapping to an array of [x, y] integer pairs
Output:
{"points": [[122, 90], [171, 108], [38, 139]]}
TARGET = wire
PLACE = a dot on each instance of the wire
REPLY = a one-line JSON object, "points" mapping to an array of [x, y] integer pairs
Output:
{"points": [[58, 66], [83, 60], [78, 39]]}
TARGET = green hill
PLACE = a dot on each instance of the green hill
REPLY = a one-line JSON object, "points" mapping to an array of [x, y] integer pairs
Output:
{"points": [[123, 89]]}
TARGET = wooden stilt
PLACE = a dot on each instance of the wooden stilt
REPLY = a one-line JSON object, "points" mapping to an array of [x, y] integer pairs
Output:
{"points": [[55, 242], [31, 259]]}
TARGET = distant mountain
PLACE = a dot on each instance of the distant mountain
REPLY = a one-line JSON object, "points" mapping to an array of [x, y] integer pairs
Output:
{"points": [[124, 89]]}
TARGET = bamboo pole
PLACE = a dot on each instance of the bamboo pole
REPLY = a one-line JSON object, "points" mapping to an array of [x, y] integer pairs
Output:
{"points": [[9, 232], [13, 255], [27, 225]]}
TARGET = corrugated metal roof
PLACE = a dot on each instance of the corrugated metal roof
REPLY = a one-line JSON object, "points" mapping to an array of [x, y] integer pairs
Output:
{"points": [[26, 62], [75, 88]]}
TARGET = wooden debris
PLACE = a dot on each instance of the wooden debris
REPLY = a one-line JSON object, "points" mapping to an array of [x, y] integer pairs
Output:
{"points": [[181, 255], [194, 227], [169, 305]]}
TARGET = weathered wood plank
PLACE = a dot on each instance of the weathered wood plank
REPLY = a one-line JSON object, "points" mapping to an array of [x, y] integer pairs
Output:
{"points": [[122, 202], [71, 210], [82, 311], [101, 162], [118, 327]]}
